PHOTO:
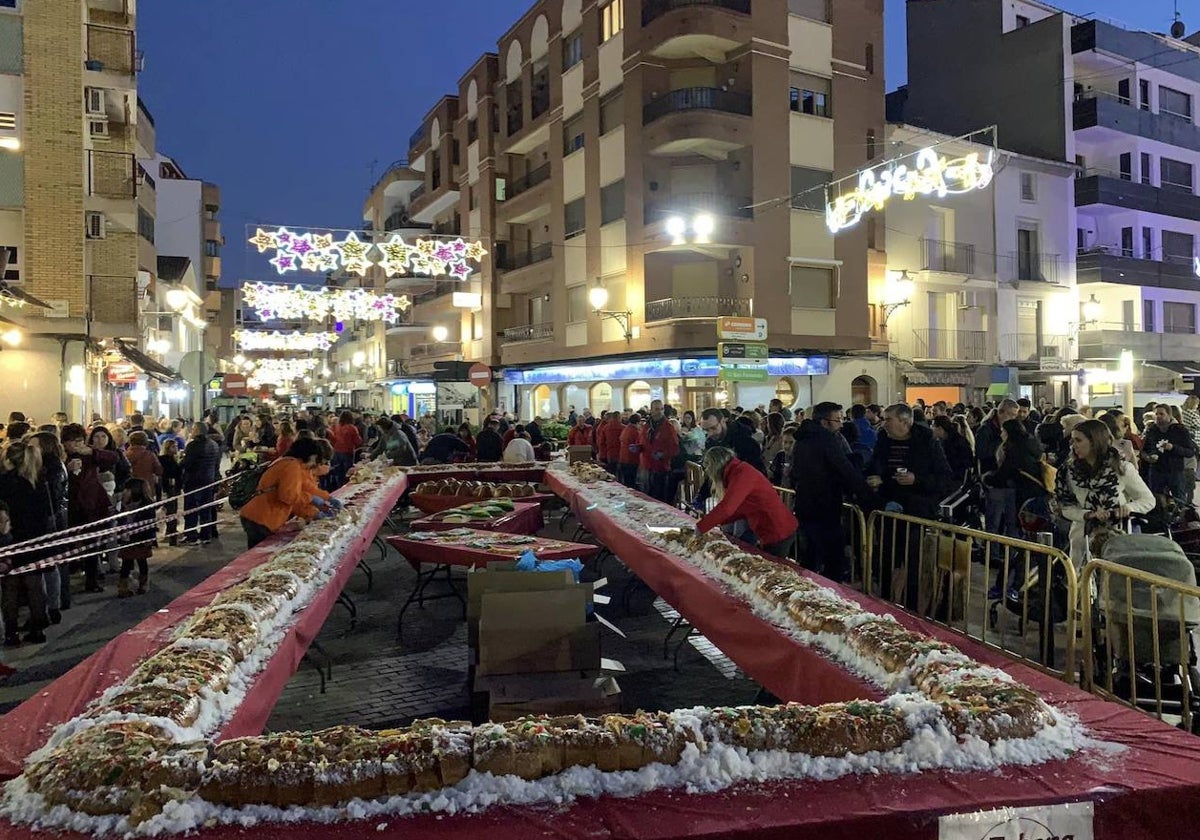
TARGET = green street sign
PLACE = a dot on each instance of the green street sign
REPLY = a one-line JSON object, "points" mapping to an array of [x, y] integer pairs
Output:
{"points": [[743, 374], [743, 353]]}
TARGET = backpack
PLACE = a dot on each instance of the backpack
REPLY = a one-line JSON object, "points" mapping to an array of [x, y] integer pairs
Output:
{"points": [[244, 486]]}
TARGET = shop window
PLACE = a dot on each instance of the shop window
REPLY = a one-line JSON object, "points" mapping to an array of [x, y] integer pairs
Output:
{"points": [[600, 399], [862, 390], [637, 395], [542, 404], [785, 391]]}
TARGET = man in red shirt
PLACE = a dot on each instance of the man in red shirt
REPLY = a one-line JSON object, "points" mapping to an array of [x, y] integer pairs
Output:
{"points": [[628, 449], [610, 433], [660, 444]]}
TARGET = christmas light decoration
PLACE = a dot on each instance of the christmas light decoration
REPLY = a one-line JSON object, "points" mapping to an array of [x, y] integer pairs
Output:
{"points": [[275, 303], [320, 253], [280, 371], [932, 176], [300, 342]]}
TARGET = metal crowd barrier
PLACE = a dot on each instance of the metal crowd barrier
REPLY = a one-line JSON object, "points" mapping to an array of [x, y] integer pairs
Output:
{"points": [[854, 525], [943, 572], [1138, 641]]}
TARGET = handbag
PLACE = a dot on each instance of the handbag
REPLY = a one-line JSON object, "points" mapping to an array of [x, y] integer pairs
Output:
{"points": [[1048, 477]]}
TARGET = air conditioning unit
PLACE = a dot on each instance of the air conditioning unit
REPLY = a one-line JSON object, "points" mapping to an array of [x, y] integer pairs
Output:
{"points": [[96, 227], [93, 102], [969, 300], [98, 128]]}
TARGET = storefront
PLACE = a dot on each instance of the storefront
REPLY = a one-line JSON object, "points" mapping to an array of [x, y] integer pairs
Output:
{"points": [[411, 397]]}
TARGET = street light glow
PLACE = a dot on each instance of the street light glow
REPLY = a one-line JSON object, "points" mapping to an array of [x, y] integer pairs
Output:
{"points": [[676, 227], [703, 226], [598, 297], [440, 333], [11, 337], [177, 299]]}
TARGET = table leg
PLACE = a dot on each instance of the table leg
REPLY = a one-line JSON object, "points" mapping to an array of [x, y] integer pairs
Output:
{"points": [[417, 594], [383, 548], [454, 590], [682, 642], [328, 659], [348, 603], [675, 626], [370, 573], [311, 660]]}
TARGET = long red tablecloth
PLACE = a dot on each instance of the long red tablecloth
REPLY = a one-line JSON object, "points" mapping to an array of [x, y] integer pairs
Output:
{"points": [[525, 518], [471, 472], [417, 552], [27, 727]]}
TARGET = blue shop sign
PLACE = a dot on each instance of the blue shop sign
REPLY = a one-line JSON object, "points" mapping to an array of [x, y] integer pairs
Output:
{"points": [[699, 368]]}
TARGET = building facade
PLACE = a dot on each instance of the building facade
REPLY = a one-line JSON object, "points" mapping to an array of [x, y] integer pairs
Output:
{"points": [[674, 155], [1121, 105]]}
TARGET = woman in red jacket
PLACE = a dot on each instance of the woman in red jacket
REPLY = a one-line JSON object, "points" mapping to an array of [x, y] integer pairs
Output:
{"points": [[580, 434], [746, 493], [627, 456], [610, 433], [345, 439]]}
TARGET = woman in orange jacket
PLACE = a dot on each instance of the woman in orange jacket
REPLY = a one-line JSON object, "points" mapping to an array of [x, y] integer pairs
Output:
{"points": [[285, 490]]}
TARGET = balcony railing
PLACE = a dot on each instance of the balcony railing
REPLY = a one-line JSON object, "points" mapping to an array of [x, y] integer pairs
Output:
{"points": [[529, 332], [112, 48], [950, 345], [679, 308], [951, 257], [653, 9], [400, 219], [416, 194], [1026, 347], [519, 259], [720, 204], [112, 174], [416, 138], [528, 181], [1027, 265], [697, 98], [402, 163]]}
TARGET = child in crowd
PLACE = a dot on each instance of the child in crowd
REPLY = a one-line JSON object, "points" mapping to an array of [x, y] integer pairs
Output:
{"points": [[108, 481], [136, 500], [172, 478]]}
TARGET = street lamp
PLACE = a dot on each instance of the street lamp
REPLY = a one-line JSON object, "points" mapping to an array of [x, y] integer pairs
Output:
{"points": [[358, 359], [177, 299], [901, 293], [1091, 310], [11, 337], [439, 333], [598, 298], [239, 360]]}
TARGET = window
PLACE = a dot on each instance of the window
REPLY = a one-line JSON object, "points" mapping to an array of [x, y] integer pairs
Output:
{"points": [[1146, 165], [1126, 166], [1080, 239], [1144, 94], [1029, 259], [577, 304], [514, 95], [1022, 21], [572, 50], [872, 233], [1178, 247], [612, 112], [12, 270], [501, 189], [808, 188], [1028, 186], [1147, 316], [1179, 317], [812, 287], [613, 19], [810, 95], [540, 89], [870, 144], [1126, 242], [472, 130], [1175, 174], [472, 198], [211, 211], [212, 248], [1147, 243], [1127, 315], [573, 134], [435, 166], [573, 218], [1174, 102], [612, 202], [869, 57], [145, 225], [454, 159], [1123, 91]]}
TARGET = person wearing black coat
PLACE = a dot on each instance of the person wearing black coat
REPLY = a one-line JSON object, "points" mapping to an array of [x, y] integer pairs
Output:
{"points": [[32, 514], [489, 446], [172, 486], [959, 454], [1019, 464], [822, 475], [200, 468], [735, 436], [908, 465]]}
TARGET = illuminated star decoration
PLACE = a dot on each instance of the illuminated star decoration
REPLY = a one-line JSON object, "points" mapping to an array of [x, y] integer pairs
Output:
{"points": [[252, 340], [354, 255], [263, 240], [396, 255], [320, 261], [284, 262], [273, 303]]}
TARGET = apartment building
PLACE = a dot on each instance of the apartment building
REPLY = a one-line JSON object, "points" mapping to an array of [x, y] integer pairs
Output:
{"points": [[979, 294], [1119, 103], [673, 154], [71, 219]]}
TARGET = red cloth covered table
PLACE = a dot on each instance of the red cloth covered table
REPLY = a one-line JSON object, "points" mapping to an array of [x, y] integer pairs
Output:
{"points": [[27, 727], [525, 518], [453, 550], [438, 502], [473, 472]]}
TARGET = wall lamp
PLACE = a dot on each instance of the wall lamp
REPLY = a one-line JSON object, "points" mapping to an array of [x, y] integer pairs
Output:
{"points": [[903, 291], [702, 227], [598, 298]]}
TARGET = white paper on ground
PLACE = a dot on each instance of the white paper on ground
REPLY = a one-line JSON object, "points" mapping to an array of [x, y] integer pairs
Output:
{"points": [[605, 622]]}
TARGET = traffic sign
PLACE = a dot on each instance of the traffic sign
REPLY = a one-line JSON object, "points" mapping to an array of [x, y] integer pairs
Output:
{"points": [[743, 353], [742, 329], [479, 375], [743, 374], [234, 384]]}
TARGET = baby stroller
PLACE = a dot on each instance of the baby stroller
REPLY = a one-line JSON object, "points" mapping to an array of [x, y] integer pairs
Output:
{"points": [[1125, 617]]}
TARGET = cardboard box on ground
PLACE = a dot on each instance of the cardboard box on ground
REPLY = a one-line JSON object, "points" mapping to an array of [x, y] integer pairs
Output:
{"points": [[578, 453], [534, 651]]}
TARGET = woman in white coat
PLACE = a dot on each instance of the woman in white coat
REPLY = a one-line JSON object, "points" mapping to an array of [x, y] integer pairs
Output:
{"points": [[1096, 486]]}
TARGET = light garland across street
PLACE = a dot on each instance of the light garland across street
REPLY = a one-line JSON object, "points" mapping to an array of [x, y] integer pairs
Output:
{"points": [[300, 342], [280, 371], [319, 252], [274, 303]]}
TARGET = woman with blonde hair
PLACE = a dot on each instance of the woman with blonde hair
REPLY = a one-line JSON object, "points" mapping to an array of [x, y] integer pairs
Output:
{"points": [[745, 493], [28, 499], [1095, 487]]}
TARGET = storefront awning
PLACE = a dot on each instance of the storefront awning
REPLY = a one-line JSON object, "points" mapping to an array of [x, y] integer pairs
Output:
{"points": [[20, 294], [152, 368], [1184, 369]]}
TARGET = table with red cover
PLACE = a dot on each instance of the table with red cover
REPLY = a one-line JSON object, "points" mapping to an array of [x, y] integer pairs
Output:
{"points": [[525, 518], [453, 549], [27, 727], [473, 472], [438, 502]]}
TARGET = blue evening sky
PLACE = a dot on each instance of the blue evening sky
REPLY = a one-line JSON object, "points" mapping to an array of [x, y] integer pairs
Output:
{"points": [[294, 107]]}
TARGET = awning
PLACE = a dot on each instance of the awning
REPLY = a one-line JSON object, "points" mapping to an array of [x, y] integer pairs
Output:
{"points": [[1185, 369], [21, 294], [998, 389], [152, 368]]}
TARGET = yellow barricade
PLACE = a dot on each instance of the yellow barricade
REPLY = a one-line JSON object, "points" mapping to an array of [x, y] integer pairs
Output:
{"points": [[854, 522], [930, 569], [1137, 639]]}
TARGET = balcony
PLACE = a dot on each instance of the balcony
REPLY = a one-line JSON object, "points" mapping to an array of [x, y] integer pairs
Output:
{"points": [[950, 345], [1030, 266], [111, 49], [686, 204], [400, 219], [529, 332], [697, 308], [112, 174], [709, 122], [212, 268], [415, 140], [947, 257], [1112, 190], [1150, 346], [690, 29], [393, 167], [1136, 47], [513, 260], [528, 181], [1100, 267], [1046, 351], [528, 197], [1101, 110], [417, 193]]}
